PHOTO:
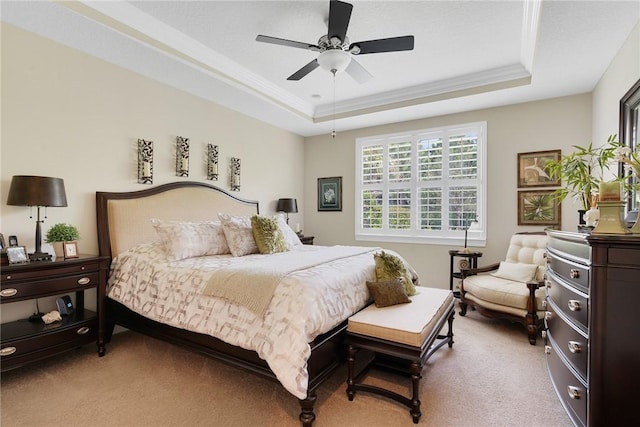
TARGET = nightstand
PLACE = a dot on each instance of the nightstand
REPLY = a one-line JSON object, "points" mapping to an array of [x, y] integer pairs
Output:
{"points": [[306, 240], [471, 262], [23, 341]]}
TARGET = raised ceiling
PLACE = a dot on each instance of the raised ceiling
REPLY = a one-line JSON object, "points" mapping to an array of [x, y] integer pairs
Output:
{"points": [[468, 54]]}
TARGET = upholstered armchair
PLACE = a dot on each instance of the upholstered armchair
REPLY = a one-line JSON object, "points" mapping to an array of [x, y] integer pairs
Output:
{"points": [[512, 289]]}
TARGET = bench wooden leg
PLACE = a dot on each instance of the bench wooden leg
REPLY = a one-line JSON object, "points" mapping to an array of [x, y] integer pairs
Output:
{"points": [[415, 369], [351, 359]]}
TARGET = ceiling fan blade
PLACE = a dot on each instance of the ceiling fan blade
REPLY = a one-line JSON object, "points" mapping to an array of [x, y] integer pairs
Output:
{"points": [[392, 44], [339, 16], [289, 43], [304, 70], [358, 72]]}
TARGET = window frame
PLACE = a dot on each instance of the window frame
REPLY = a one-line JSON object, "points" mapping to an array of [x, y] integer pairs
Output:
{"points": [[474, 237]]}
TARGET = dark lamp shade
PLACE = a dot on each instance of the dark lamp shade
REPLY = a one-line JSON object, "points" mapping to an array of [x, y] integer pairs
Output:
{"points": [[287, 205], [26, 190]]}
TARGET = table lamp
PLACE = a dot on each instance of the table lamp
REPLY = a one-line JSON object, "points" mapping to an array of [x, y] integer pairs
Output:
{"points": [[38, 191], [288, 206]]}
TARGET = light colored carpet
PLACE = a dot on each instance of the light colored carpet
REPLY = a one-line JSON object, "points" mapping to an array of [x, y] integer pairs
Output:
{"points": [[491, 377]]}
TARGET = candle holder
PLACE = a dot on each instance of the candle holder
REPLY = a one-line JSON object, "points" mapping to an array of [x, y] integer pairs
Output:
{"points": [[182, 156], [145, 162], [235, 174], [212, 162]]}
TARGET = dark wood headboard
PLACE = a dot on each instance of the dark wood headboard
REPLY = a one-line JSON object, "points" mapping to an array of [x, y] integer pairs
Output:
{"points": [[124, 218]]}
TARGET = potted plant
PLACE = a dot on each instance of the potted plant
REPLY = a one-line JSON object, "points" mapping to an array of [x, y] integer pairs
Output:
{"points": [[60, 233], [582, 171]]}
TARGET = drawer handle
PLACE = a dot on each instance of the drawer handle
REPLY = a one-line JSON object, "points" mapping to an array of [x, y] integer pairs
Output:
{"points": [[84, 280], [547, 284], [574, 273], [7, 351], [544, 303], [83, 330], [547, 349], [544, 334], [9, 292], [574, 305], [574, 392], [575, 347], [548, 315]]}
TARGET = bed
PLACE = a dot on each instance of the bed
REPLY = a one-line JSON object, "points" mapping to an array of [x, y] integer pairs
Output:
{"points": [[126, 231]]}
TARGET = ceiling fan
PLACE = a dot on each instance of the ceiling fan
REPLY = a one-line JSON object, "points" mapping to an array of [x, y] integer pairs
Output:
{"points": [[336, 53]]}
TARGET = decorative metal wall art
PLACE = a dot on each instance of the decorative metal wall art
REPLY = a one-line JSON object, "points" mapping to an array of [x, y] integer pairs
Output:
{"points": [[235, 174], [145, 162], [182, 156], [212, 162]]}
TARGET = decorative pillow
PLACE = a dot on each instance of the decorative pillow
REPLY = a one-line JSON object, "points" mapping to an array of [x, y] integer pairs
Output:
{"points": [[239, 234], [389, 267], [182, 239], [291, 239], [267, 234], [516, 271], [388, 293]]}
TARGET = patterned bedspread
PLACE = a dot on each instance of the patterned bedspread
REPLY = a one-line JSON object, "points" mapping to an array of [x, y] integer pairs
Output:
{"points": [[306, 303]]}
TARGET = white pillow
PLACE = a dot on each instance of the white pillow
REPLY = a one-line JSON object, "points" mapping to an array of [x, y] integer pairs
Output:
{"points": [[291, 239], [239, 234], [182, 239], [516, 271]]}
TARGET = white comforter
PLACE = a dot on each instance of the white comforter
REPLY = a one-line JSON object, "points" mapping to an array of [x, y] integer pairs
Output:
{"points": [[306, 303]]}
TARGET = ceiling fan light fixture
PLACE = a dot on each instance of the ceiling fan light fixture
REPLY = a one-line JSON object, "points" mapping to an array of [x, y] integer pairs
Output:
{"points": [[335, 59]]}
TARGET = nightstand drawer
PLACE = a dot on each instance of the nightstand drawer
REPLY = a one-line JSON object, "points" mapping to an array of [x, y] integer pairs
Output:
{"points": [[45, 340], [574, 273], [16, 290]]}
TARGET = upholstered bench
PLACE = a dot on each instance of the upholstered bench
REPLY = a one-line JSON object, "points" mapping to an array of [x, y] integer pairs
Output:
{"points": [[407, 332]]}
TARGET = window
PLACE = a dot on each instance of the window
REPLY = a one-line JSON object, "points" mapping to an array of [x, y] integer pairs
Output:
{"points": [[422, 187]]}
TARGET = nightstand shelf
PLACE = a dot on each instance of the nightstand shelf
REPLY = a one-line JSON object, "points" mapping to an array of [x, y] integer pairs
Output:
{"points": [[306, 240], [23, 341]]}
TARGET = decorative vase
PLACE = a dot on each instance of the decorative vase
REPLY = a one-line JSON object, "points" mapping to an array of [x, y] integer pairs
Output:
{"points": [[635, 228], [611, 218], [57, 249]]}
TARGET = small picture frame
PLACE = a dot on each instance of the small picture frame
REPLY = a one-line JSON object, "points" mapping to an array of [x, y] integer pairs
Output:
{"points": [[531, 169], [330, 194], [70, 249], [17, 254], [3, 245], [539, 207]]}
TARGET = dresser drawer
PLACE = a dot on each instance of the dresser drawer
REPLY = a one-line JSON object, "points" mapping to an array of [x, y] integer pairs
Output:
{"points": [[46, 340], [574, 273], [573, 342], [569, 388], [571, 301], [16, 290]]}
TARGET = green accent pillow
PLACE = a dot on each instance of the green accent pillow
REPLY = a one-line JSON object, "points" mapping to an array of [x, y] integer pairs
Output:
{"points": [[389, 267], [388, 293], [266, 232]]}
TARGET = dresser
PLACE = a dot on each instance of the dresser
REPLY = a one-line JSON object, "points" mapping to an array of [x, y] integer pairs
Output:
{"points": [[25, 341], [592, 345]]}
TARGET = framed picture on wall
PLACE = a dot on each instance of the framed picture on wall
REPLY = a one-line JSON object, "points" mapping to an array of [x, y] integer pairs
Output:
{"points": [[531, 171], [539, 207], [330, 194]]}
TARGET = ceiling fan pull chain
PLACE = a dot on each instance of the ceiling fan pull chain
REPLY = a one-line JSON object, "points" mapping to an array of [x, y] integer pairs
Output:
{"points": [[333, 132]]}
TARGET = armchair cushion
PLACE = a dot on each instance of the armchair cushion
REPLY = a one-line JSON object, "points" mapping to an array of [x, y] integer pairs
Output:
{"points": [[502, 292], [516, 271]]}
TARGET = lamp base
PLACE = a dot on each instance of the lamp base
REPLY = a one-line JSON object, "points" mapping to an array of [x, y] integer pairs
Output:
{"points": [[40, 256]]}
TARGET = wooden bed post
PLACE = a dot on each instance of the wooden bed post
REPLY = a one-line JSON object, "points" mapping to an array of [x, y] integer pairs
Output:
{"points": [[307, 416]]}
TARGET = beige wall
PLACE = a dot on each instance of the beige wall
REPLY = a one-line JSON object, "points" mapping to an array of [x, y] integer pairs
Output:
{"points": [[535, 126], [69, 115], [621, 74]]}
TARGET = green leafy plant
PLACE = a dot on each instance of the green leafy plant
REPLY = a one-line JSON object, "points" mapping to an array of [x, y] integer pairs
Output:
{"points": [[62, 233], [582, 171]]}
